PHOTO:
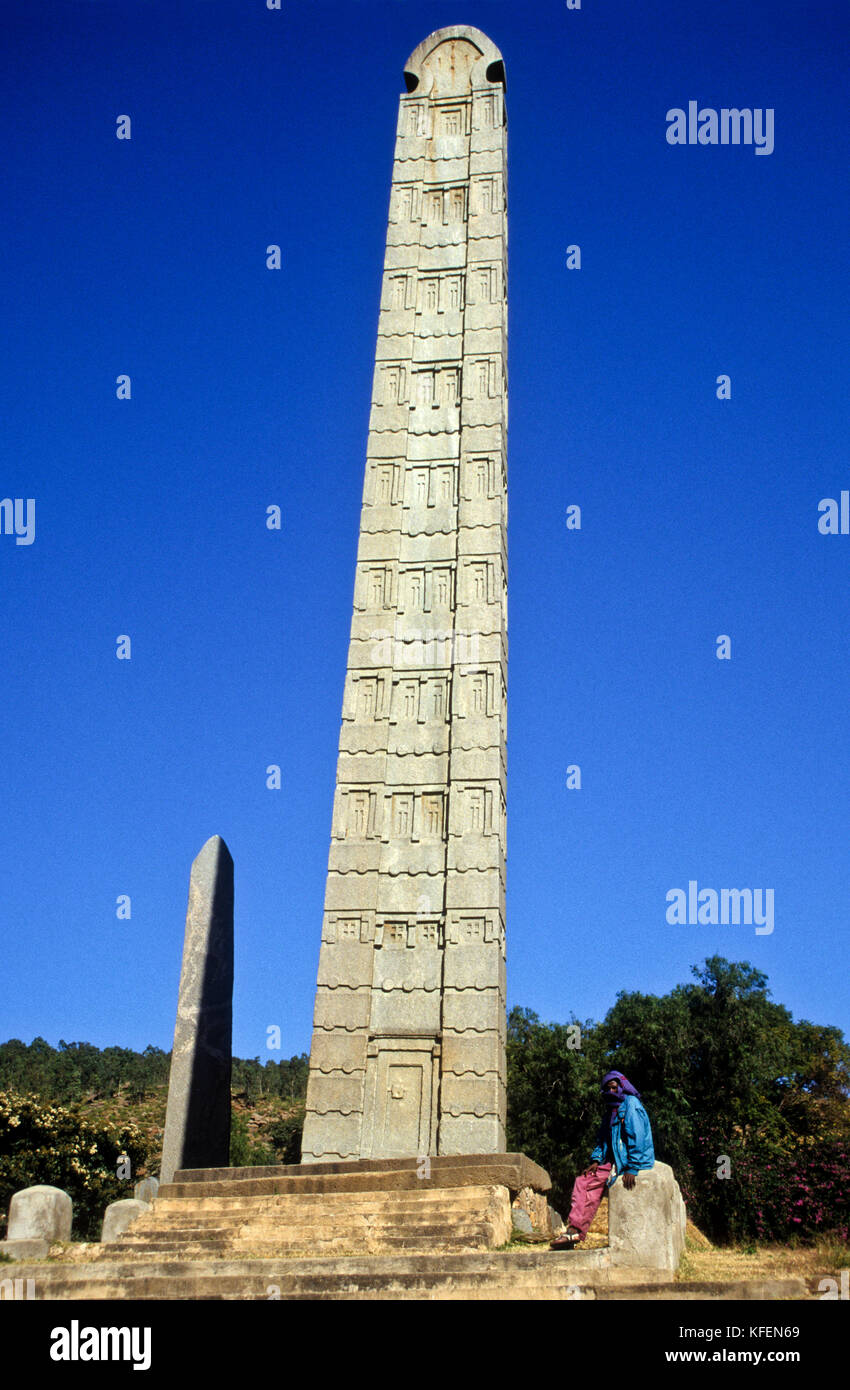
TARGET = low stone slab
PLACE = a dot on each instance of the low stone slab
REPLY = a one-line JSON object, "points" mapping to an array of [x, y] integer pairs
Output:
{"points": [[118, 1216], [40, 1213]]}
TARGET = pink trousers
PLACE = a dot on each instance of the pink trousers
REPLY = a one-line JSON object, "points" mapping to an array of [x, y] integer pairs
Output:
{"points": [[587, 1194]]}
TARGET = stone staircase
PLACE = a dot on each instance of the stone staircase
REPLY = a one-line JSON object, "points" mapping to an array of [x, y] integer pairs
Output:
{"points": [[273, 1224]]}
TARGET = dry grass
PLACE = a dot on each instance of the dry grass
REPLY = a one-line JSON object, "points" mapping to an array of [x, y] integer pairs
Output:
{"points": [[702, 1261]]}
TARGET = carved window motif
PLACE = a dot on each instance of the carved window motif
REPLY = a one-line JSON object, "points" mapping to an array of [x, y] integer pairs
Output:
{"points": [[482, 286], [409, 700], [415, 589], [413, 120], [472, 929], [432, 815], [395, 934], [398, 288], [420, 489], [349, 929], [457, 205], [488, 109], [430, 296], [405, 204], [402, 816], [453, 292], [433, 208], [441, 588], [481, 480], [453, 121], [475, 811], [384, 486], [482, 378], [449, 386], [429, 933], [358, 814], [377, 587], [424, 388], [479, 583], [479, 693], [437, 704], [368, 693], [393, 381], [486, 201], [445, 487]]}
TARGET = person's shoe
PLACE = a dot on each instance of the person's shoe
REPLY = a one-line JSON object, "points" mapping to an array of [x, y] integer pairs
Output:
{"points": [[568, 1241]]}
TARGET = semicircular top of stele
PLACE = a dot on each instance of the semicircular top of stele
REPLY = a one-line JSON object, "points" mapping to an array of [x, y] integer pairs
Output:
{"points": [[453, 61]]}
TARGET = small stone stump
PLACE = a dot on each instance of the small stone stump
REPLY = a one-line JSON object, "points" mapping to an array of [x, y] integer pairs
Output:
{"points": [[146, 1190], [118, 1216], [37, 1217]]}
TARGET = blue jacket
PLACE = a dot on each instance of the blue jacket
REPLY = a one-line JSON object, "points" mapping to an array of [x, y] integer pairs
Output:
{"points": [[631, 1140]]}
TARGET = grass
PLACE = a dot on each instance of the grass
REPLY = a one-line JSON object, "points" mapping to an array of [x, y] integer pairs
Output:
{"points": [[743, 1260]]}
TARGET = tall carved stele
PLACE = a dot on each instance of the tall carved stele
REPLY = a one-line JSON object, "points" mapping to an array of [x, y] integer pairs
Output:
{"points": [[408, 1049]]}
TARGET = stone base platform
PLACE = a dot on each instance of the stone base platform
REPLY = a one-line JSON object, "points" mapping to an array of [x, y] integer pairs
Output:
{"points": [[513, 1171]]}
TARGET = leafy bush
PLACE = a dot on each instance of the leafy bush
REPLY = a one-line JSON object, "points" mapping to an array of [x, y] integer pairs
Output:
{"points": [[51, 1144]]}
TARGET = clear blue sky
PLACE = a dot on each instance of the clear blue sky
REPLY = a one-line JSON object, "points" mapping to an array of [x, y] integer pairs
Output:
{"points": [[251, 387]]}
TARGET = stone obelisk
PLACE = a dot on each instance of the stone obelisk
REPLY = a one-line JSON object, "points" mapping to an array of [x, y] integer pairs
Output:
{"points": [[408, 1048], [197, 1117]]}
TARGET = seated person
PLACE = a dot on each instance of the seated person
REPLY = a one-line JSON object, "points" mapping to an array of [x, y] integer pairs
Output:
{"points": [[624, 1144]]}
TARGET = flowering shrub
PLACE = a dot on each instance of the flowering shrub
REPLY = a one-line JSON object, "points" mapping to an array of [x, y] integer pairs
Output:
{"points": [[776, 1189], [45, 1143]]}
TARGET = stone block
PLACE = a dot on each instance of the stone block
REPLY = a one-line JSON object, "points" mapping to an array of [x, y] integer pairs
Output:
{"points": [[470, 1052], [400, 1012], [464, 1134], [536, 1210], [25, 1249], [341, 1051], [329, 1135], [334, 1091], [646, 1226], [478, 967], [474, 1008], [118, 1216], [146, 1190], [342, 1007], [346, 962], [472, 1096], [40, 1213]]}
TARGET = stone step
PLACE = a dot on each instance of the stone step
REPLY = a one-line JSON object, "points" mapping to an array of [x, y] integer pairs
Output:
{"points": [[508, 1275], [420, 1225], [307, 1183], [302, 1241], [446, 1199], [520, 1170]]}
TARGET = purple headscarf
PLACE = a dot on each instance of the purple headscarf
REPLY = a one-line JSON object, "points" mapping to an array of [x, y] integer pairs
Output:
{"points": [[613, 1099]]}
